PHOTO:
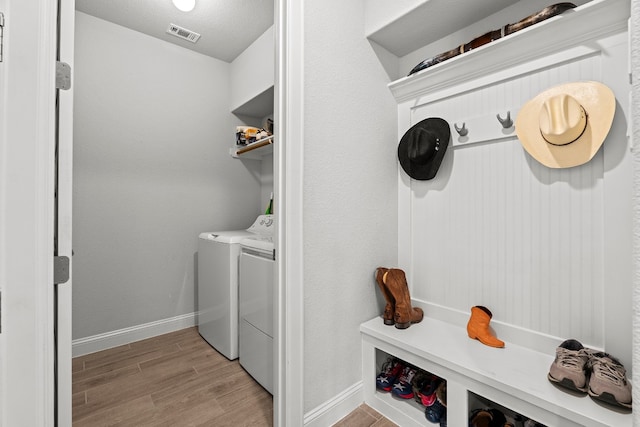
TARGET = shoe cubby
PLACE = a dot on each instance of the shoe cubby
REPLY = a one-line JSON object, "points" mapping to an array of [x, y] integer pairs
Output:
{"points": [[418, 390], [513, 378], [481, 409]]}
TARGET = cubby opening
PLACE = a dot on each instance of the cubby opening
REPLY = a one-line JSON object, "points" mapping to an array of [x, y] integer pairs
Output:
{"points": [[481, 408], [428, 391]]}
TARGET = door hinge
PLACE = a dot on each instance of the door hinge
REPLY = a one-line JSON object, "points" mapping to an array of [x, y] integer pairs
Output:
{"points": [[1, 34], [60, 269], [63, 76]]}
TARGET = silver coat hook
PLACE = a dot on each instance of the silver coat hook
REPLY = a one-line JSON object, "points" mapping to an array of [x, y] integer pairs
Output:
{"points": [[506, 123], [463, 131]]}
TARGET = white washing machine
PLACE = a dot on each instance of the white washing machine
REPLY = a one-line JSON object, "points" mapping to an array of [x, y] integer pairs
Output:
{"points": [[256, 307], [218, 266], [218, 254]]}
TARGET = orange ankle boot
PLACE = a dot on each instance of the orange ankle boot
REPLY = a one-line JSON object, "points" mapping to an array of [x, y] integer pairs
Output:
{"points": [[478, 327], [404, 315]]}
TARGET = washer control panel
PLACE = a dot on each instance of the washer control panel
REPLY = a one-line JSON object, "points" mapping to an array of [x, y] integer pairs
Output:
{"points": [[263, 225]]}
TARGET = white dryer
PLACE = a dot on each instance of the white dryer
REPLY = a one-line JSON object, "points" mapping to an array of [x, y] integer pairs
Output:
{"points": [[256, 305]]}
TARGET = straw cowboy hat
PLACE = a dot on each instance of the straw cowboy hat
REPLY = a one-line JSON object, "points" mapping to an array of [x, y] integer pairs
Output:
{"points": [[564, 126], [422, 148]]}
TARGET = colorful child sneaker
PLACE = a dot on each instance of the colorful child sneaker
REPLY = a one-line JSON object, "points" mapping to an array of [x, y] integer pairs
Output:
{"points": [[418, 382], [391, 369], [608, 381], [424, 388], [569, 367], [402, 388], [436, 412]]}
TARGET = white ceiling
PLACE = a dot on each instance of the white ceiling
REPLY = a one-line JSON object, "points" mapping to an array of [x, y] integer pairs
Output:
{"points": [[227, 27]]}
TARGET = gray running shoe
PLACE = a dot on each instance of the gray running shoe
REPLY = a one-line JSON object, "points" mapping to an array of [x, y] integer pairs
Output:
{"points": [[569, 367], [608, 381]]}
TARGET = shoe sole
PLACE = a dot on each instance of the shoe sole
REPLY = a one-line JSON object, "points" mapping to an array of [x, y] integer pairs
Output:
{"points": [[406, 324], [608, 398], [403, 396], [567, 383]]}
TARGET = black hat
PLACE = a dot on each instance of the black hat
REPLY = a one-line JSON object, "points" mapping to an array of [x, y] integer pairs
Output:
{"points": [[422, 148]]}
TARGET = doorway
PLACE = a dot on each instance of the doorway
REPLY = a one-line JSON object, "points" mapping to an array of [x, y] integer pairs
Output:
{"points": [[152, 170]]}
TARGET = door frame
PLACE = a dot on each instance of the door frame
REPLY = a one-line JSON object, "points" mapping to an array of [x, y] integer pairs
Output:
{"points": [[289, 192], [27, 132]]}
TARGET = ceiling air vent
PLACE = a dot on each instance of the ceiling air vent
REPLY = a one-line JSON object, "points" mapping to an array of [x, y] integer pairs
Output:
{"points": [[183, 33]]}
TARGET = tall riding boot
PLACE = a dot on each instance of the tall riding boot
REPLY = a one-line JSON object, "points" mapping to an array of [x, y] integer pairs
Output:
{"points": [[387, 316], [404, 315], [478, 327]]}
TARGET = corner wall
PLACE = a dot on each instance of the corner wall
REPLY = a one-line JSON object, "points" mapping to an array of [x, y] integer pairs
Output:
{"points": [[152, 170], [635, 108], [350, 187]]}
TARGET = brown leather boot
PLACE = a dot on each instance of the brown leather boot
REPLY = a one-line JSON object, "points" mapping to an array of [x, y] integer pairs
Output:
{"points": [[478, 327], [387, 316], [404, 315]]}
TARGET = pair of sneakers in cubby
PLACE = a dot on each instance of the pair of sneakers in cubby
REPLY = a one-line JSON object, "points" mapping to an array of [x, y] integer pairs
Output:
{"points": [[406, 381], [597, 373], [493, 417]]}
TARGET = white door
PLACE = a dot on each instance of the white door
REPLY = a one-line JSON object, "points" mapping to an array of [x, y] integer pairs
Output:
{"points": [[63, 221], [27, 179]]}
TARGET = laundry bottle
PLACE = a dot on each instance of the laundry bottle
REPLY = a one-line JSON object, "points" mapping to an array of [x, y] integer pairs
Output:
{"points": [[269, 210]]}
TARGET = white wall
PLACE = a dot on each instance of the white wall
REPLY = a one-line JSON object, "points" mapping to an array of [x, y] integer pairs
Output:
{"points": [[635, 63], [266, 179], [350, 187], [152, 170], [252, 72]]}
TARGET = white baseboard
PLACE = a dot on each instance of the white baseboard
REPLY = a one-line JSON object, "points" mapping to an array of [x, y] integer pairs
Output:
{"points": [[112, 339], [336, 408]]}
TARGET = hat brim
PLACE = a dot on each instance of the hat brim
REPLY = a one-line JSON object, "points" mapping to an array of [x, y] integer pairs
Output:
{"points": [[427, 170], [598, 101]]}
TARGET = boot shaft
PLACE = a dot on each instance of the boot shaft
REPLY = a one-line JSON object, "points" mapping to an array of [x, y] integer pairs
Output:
{"points": [[396, 282], [404, 314], [387, 315]]}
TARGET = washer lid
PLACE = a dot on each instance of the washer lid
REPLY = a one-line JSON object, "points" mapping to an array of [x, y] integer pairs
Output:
{"points": [[231, 236]]}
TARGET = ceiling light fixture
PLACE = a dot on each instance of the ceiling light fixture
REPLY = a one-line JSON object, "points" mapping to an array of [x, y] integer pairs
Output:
{"points": [[185, 5]]}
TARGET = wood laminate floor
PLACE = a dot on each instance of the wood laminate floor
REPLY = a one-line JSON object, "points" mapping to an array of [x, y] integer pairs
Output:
{"points": [[176, 380]]}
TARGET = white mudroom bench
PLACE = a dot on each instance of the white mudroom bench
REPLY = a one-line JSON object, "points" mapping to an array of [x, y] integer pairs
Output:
{"points": [[514, 377]]}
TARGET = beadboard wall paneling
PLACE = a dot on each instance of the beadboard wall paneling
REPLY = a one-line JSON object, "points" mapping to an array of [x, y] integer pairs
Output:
{"points": [[497, 228], [515, 236]]}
